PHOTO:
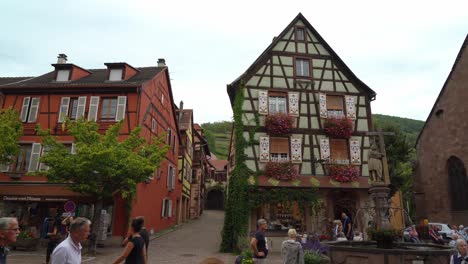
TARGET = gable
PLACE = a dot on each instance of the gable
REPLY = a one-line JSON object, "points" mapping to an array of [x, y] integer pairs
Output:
{"points": [[275, 68]]}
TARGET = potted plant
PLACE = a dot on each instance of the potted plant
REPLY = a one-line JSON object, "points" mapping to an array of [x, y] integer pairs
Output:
{"points": [[26, 240], [384, 237], [279, 124], [283, 171], [339, 127], [343, 173]]}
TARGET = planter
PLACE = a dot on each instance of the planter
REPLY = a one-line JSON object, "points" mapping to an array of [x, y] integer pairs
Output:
{"points": [[283, 171], [339, 128], [343, 173], [26, 243], [279, 124]]}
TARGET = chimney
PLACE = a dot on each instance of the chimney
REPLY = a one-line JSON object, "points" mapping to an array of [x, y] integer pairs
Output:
{"points": [[181, 107], [161, 62], [62, 58]]}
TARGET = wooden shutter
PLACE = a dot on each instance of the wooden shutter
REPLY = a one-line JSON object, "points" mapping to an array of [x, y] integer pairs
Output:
{"points": [[323, 105], [296, 150], [80, 110], [339, 150], [25, 109], [34, 158], [293, 98], [350, 107], [325, 149], [264, 149], [334, 102], [63, 111], [34, 109], [93, 108], [163, 207], [355, 151], [42, 166], [279, 145], [263, 102], [169, 211], [121, 106]]}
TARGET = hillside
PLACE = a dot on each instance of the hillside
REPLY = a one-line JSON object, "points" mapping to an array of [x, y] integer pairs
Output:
{"points": [[218, 134]]}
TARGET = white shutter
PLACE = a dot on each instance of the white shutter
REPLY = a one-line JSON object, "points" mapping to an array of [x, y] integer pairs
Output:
{"points": [[34, 109], [93, 108], [173, 179], [34, 158], [296, 150], [169, 211], [121, 105], [64, 104], [73, 149], [350, 107], [163, 207], [355, 151], [25, 109], [42, 166], [325, 149], [323, 105], [168, 179], [264, 149], [4, 167], [293, 98], [80, 110], [263, 102]]}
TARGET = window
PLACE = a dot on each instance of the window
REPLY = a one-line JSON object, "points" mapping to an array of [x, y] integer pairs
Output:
{"points": [[169, 136], [171, 178], [63, 75], [302, 68], [282, 216], [339, 151], [153, 125], [279, 149], [29, 109], [108, 108], [73, 107], [21, 162], [335, 107], [300, 36], [166, 208], [115, 74], [276, 103]]}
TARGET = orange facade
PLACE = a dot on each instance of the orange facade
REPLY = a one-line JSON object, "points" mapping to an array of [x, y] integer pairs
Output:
{"points": [[144, 95]]}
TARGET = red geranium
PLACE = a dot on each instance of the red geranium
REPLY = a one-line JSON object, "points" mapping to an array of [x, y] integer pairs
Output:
{"points": [[283, 171], [279, 124], [339, 127], [343, 173]]}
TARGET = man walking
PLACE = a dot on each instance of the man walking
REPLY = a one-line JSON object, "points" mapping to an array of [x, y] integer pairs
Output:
{"points": [[9, 230], [259, 243], [347, 228], [69, 251]]}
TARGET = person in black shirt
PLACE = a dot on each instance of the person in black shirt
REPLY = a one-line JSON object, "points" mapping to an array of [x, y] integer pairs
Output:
{"points": [[143, 233], [259, 242], [135, 251]]}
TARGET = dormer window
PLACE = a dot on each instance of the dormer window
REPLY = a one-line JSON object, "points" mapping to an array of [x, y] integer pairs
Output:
{"points": [[115, 75], [63, 75]]}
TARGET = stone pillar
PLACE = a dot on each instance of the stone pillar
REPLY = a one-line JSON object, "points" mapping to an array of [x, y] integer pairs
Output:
{"points": [[379, 194]]}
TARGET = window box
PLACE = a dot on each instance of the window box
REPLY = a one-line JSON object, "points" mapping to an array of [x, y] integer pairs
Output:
{"points": [[339, 127], [279, 124], [284, 171], [343, 173]]}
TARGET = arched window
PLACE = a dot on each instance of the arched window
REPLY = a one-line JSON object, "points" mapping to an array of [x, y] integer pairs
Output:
{"points": [[458, 184]]}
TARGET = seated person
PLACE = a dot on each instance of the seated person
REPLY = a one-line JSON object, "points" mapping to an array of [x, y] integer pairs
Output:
{"points": [[434, 234]]}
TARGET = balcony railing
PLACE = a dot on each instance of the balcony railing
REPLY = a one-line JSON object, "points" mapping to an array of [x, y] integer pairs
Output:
{"points": [[336, 114]]}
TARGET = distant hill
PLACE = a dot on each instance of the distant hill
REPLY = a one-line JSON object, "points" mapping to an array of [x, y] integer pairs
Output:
{"points": [[218, 134]]}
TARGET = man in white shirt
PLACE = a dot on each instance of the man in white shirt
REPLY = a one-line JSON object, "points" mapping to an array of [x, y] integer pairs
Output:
{"points": [[69, 251]]}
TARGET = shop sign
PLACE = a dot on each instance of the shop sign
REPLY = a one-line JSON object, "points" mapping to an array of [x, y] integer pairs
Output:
{"points": [[33, 199]]}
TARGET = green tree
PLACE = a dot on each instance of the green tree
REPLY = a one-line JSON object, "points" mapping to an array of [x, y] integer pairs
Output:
{"points": [[101, 165], [11, 129]]}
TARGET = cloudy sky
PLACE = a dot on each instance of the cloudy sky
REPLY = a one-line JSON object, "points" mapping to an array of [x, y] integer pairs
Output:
{"points": [[403, 50]]}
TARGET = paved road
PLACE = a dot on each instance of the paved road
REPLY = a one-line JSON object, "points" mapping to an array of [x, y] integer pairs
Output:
{"points": [[191, 243]]}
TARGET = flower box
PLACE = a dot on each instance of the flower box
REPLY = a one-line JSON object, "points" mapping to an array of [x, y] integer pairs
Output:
{"points": [[279, 124], [343, 173], [283, 171], [339, 127]]}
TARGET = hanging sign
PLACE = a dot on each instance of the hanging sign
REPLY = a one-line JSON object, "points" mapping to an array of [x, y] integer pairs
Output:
{"points": [[69, 206]]}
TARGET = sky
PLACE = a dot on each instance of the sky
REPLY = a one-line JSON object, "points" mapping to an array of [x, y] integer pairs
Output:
{"points": [[403, 50]]}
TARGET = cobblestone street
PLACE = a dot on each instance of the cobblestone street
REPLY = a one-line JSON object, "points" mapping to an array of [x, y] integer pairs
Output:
{"points": [[191, 243]]}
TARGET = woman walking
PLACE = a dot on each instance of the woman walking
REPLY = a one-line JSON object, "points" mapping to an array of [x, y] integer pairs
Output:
{"points": [[291, 250], [135, 251]]}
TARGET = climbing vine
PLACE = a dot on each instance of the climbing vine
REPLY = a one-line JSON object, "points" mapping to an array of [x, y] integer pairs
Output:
{"points": [[237, 209]]}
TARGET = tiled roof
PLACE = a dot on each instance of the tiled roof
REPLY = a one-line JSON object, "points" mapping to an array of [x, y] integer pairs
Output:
{"points": [[185, 117], [97, 77], [219, 164], [7, 80]]}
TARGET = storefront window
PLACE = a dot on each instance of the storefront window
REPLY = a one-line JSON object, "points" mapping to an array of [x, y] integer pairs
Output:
{"points": [[283, 216]]}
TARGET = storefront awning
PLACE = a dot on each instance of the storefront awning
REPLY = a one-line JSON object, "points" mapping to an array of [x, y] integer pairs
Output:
{"points": [[38, 193]]}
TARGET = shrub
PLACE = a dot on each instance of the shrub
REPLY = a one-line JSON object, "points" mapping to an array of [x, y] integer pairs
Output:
{"points": [[311, 257]]}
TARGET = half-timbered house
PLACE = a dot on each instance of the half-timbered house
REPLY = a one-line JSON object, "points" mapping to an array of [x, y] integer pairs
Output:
{"points": [[301, 80]]}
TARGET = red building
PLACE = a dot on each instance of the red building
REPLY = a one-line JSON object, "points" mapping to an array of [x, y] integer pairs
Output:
{"points": [[141, 96]]}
